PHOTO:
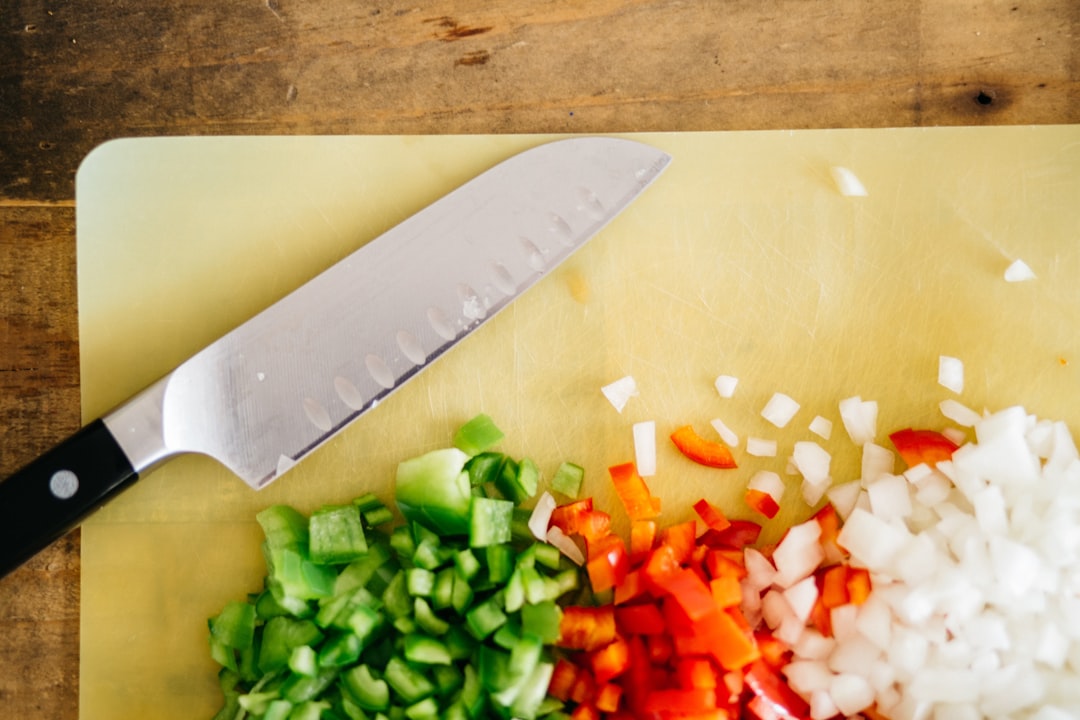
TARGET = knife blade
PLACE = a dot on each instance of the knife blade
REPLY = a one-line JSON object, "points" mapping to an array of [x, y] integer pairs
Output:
{"points": [[269, 392]]}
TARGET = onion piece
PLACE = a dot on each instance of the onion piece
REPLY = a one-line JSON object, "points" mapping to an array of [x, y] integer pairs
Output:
{"points": [[619, 392], [769, 483], [959, 413], [860, 419], [951, 373], [847, 182], [725, 385], [812, 461], [760, 447], [1018, 271], [821, 427], [730, 438], [540, 517], [645, 447], [566, 545], [780, 409]]}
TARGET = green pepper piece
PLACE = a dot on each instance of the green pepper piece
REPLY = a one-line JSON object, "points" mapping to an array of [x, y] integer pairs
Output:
{"points": [[369, 692], [407, 682], [425, 650], [283, 526], [336, 535], [489, 522], [434, 489], [279, 636], [542, 620], [234, 626], [477, 435], [568, 479]]}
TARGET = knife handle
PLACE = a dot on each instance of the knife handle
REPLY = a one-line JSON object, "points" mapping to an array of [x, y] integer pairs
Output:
{"points": [[50, 496]]}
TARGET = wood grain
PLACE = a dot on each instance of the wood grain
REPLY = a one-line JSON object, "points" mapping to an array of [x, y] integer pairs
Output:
{"points": [[76, 74]]}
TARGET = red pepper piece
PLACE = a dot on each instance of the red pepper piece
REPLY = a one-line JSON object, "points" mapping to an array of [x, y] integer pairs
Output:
{"points": [[702, 451], [641, 619], [568, 517], [680, 701], [587, 628], [642, 537], [632, 587], [633, 492], [608, 696], [563, 679], [922, 446], [834, 588], [726, 591], [680, 538], [773, 695], [739, 535], [858, 585], [711, 515], [696, 673], [610, 661], [692, 595], [762, 502]]}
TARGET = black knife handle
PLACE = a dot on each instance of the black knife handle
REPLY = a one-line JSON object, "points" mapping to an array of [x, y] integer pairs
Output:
{"points": [[50, 496]]}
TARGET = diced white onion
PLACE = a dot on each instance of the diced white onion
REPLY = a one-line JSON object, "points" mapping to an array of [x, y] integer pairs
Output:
{"points": [[876, 462], [821, 426], [813, 461], [951, 373], [768, 482], [760, 447], [780, 409], [730, 438], [801, 597], [760, 572], [798, 554], [566, 545], [959, 413], [847, 182], [1018, 271], [844, 496], [851, 693], [725, 385], [619, 392], [957, 435], [541, 516], [645, 447], [890, 498], [860, 419]]}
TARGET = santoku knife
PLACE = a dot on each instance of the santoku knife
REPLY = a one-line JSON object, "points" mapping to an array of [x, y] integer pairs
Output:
{"points": [[270, 391]]}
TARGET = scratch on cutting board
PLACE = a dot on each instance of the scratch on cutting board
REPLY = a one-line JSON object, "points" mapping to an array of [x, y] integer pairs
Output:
{"points": [[702, 307]]}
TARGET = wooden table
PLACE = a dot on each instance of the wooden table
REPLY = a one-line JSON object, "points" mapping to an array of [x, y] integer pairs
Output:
{"points": [[85, 71]]}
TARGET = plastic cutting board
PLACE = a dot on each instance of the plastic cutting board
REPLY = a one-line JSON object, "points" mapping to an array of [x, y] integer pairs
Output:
{"points": [[743, 259]]}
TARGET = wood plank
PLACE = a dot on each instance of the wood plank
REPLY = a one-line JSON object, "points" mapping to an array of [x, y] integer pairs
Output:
{"points": [[77, 76], [39, 404]]}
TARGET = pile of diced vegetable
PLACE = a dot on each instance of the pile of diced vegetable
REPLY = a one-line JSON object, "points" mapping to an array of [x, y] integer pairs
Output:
{"points": [[947, 589]]}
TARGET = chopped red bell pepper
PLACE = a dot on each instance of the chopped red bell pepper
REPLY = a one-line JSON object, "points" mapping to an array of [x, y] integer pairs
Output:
{"points": [[642, 619], [610, 661], [681, 539], [762, 502], [711, 515], [642, 537], [922, 446], [702, 451], [773, 695], [680, 701], [739, 535], [633, 492], [587, 628]]}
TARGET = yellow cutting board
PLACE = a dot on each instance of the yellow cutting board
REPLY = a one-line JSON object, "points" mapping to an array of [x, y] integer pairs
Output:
{"points": [[742, 259]]}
